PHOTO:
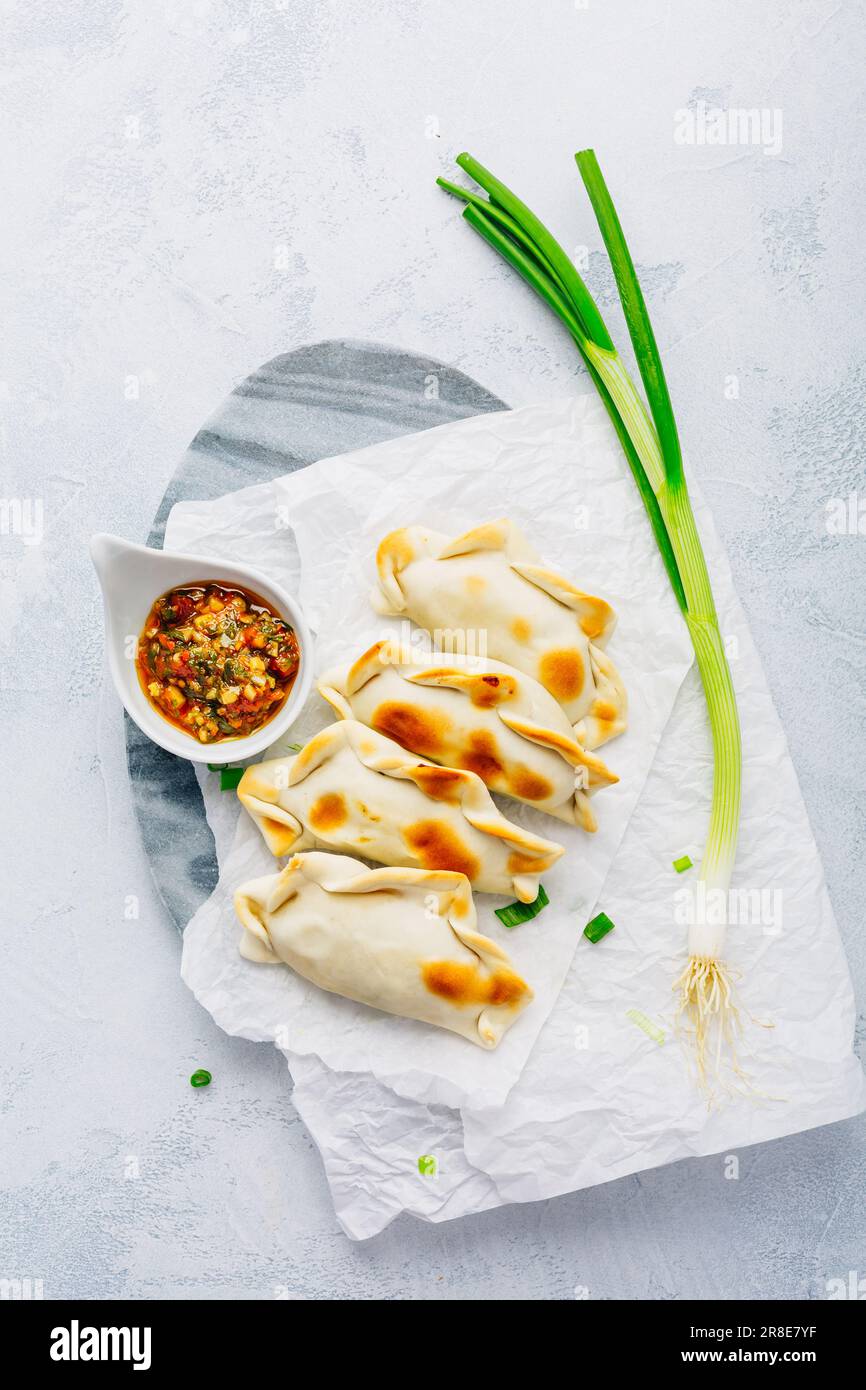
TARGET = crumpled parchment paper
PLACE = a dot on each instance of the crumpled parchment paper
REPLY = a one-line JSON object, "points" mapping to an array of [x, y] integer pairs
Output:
{"points": [[337, 511], [598, 1097]]}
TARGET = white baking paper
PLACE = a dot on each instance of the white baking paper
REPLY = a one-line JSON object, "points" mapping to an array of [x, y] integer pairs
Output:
{"points": [[598, 1098], [323, 524]]}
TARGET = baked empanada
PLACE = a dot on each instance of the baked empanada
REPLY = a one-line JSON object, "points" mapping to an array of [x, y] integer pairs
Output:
{"points": [[491, 585], [401, 940], [352, 789], [482, 716]]}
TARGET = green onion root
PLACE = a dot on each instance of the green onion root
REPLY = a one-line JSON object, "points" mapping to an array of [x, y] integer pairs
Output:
{"points": [[709, 1017]]}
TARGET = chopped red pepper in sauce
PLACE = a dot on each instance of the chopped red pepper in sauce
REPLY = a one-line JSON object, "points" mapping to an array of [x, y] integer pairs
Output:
{"points": [[217, 662]]}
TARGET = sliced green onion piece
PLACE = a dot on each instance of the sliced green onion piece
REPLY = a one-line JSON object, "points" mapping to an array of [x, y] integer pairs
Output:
{"points": [[200, 1078], [682, 864], [646, 1025], [294, 747], [598, 927], [229, 777], [515, 913]]}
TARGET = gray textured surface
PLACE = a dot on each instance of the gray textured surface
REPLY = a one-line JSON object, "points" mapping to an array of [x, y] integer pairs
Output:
{"points": [[194, 188]]}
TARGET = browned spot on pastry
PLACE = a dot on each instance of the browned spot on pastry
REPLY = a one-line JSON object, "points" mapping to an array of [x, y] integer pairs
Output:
{"points": [[481, 756], [593, 616], [602, 709], [395, 551], [524, 863], [490, 535], [504, 987], [328, 811], [529, 785], [459, 907], [561, 672], [465, 984], [440, 783], [274, 827], [437, 846], [486, 691], [521, 630], [364, 667], [490, 690], [416, 729], [475, 584]]}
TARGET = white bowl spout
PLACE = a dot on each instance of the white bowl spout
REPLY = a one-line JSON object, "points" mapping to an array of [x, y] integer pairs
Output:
{"points": [[107, 553]]}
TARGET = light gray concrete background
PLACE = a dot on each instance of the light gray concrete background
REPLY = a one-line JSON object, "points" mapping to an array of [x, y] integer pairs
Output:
{"points": [[194, 186]]}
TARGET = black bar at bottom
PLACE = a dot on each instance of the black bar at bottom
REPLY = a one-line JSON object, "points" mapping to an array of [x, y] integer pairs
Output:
{"points": [[68, 1338]]}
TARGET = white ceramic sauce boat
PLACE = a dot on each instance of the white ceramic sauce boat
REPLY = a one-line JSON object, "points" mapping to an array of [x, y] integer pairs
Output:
{"points": [[131, 577]]}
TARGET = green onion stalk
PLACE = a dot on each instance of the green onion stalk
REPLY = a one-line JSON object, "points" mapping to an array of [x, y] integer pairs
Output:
{"points": [[648, 436]]}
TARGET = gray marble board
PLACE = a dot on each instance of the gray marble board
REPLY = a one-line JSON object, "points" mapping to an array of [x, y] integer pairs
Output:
{"points": [[317, 401]]}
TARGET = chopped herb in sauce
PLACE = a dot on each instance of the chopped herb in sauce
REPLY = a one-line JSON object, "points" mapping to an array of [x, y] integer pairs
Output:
{"points": [[216, 662]]}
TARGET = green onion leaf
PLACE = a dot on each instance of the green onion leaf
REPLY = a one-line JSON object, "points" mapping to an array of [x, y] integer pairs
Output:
{"points": [[229, 778], [644, 486], [515, 913], [682, 864], [591, 322], [294, 747], [636, 315], [488, 221], [507, 224], [598, 928]]}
